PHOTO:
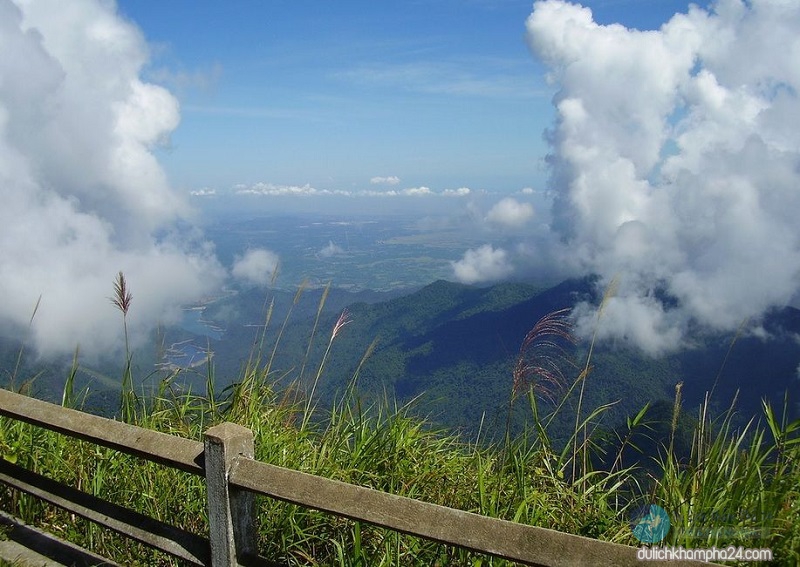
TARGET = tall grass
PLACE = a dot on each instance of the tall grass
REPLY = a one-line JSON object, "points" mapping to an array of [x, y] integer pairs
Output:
{"points": [[741, 484], [122, 299]]}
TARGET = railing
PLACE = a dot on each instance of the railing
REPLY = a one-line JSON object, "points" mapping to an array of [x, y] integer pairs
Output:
{"points": [[233, 478]]}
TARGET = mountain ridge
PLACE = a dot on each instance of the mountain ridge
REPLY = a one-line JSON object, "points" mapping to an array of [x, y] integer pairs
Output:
{"points": [[461, 351], [452, 347]]}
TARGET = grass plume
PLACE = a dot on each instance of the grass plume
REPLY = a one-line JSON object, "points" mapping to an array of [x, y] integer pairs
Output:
{"points": [[122, 300]]}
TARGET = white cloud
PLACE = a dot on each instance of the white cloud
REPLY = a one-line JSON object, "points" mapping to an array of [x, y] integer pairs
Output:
{"points": [[204, 192], [413, 191], [482, 264], [256, 266], [391, 180], [83, 195], [276, 190], [675, 159], [331, 249], [642, 320], [273, 190], [510, 212]]}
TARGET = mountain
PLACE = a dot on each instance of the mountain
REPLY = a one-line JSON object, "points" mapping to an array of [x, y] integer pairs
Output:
{"points": [[452, 348], [454, 345]]}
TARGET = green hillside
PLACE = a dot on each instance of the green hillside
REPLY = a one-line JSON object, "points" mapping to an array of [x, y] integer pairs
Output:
{"points": [[454, 347], [317, 403]]}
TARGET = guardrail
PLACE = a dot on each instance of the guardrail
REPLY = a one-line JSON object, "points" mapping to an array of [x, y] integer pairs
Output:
{"points": [[233, 478]]}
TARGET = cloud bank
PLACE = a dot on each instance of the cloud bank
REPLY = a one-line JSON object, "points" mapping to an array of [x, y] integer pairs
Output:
{"points": [[83, 194], [676, 161], [307, 190]]}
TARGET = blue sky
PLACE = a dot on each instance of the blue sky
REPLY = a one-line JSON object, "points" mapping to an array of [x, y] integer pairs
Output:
{"points": [[676, 150], [441, 94]]}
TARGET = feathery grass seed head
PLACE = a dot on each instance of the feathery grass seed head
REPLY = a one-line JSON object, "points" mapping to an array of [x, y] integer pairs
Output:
{"points": [[343, 320], [122, 296], [542, 350]]}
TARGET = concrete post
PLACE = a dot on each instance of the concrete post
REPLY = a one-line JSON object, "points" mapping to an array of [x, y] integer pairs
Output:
{"points": [[231, 512]]}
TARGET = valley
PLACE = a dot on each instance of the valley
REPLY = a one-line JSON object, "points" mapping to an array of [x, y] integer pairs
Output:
{"points": [[447, 348]]}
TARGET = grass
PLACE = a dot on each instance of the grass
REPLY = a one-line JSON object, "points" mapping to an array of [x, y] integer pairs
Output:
{"points": [[737, 486]]}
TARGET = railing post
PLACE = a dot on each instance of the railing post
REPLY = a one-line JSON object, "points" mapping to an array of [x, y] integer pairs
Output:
{"points": [[231, 512]]}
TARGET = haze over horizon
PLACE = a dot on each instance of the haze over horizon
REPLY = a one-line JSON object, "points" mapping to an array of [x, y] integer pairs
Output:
{"points": [[670, 160]]}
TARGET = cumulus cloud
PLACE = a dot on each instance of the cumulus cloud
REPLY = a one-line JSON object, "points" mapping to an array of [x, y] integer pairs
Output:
{"points": [[83, 195], [675, 161], [391, 180], [256, 266], [482, 264], [510, 212]]}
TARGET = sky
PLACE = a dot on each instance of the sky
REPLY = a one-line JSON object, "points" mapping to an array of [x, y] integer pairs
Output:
{"points": [[650, 142], [356, 96]]}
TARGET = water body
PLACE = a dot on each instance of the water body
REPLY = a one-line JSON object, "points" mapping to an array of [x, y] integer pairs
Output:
{"points": [[187, 354], [194, 322]]}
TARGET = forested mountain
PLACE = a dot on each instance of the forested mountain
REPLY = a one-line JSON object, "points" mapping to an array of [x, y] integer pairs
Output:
{"points": [[452, 348], [455, 346]]}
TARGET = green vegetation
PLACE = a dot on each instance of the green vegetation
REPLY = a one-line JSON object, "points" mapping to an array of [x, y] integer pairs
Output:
{"points": [[721, 483]]}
